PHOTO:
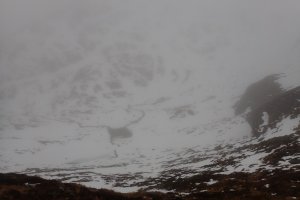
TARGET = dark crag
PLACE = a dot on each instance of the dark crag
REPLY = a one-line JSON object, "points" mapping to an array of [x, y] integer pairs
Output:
{"points": [[258, 94], [267, 97]]}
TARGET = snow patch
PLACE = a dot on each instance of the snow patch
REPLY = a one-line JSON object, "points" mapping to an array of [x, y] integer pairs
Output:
{"points": [[285, 127], [265, 119], [211, 182]]}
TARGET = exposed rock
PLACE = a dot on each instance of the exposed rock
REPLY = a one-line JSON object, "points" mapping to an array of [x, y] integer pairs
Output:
{"points": [[22, 187], [283, 105], [268, 104], [278, 184], [258, 93]]}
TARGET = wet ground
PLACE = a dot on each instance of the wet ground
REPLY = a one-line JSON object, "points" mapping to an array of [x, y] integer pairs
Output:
{"points": [[277, 184]]}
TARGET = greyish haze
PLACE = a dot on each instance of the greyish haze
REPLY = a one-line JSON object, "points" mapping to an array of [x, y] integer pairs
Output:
{"points": [[131, 89]]}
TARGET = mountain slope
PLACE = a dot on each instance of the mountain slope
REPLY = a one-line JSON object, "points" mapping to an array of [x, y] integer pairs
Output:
{"points": [[133, 96]]}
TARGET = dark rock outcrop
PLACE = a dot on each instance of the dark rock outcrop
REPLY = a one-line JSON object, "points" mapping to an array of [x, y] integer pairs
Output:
{"points": [[258, 94], [266, 97], [285, 105]]}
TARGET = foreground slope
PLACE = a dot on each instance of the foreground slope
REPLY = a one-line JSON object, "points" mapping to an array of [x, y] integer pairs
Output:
{"points": [[276, 185]]}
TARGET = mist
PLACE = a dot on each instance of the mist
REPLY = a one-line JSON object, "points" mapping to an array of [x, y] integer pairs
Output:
{"points": [[132, 79], [256, 34]]}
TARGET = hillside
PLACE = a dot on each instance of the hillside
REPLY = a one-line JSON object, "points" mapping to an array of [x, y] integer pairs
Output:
{"points": [[183, 99]]}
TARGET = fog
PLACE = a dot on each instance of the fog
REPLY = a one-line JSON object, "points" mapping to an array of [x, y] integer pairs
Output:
{"points": [[119, 78], [256, 34]]}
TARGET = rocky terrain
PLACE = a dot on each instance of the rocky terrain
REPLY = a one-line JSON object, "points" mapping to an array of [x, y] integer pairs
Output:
{"points": [[261, 185], [278, 184], [277, 177], [280, 160], [149, 99]]}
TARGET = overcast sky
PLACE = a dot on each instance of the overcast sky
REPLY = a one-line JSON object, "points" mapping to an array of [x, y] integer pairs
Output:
{"points": [[251, 33]]}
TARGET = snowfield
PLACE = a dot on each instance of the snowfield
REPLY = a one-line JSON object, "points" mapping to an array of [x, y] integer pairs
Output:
{"points": [[173, 93]]}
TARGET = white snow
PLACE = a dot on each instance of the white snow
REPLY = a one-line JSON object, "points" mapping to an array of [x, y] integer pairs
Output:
{"points": [[285, 127], [265, 119], [64, 82], [251, 163], [211, 182]]}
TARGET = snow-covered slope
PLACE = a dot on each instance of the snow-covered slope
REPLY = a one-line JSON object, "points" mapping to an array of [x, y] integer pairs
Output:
{"points": [[126, 102]]}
